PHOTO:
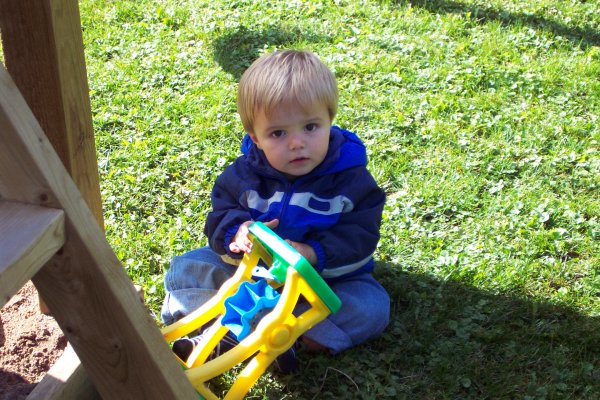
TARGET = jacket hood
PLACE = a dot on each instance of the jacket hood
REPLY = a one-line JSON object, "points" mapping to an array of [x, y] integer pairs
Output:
{"points": [[345, 151]]}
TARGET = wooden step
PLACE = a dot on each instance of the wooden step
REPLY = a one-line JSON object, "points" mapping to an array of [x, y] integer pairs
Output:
{"points": [[29, 236]]}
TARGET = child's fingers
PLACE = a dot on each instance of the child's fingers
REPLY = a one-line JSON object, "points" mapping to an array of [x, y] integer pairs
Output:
{"points": [[272, 223], [241, 245], [292, 243]]}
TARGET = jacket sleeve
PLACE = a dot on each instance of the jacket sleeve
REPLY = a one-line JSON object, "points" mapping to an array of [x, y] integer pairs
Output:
{"points": [[227, 214], [348, 246]]}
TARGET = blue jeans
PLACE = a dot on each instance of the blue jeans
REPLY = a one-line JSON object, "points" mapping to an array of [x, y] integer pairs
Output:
{"points": [[196, 276]]}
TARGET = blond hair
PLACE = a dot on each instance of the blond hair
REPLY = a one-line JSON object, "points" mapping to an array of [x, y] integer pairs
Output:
{"points": [[283, 76]]}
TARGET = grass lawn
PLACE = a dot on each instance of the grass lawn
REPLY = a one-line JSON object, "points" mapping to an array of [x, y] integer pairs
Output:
{"points": [[482, 124]]}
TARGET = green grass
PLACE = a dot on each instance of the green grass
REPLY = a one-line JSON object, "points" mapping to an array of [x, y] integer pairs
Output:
{"points": [[482, 123]]}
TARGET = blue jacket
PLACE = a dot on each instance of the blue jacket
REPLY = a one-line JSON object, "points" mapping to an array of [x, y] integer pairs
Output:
{"points": [[336, 208]]}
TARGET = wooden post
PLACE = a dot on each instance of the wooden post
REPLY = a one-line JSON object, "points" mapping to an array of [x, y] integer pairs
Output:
{"points": [[43, 51]]}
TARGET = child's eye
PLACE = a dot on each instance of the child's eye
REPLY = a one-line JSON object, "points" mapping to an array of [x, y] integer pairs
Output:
{"points": [[310, 127], [277, 134]]}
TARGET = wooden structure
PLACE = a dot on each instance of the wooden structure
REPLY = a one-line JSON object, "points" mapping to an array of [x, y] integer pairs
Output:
{"points": [[50, 214]]}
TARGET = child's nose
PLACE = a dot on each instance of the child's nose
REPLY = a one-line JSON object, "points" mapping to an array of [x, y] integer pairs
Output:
{"points": [[295, 141]]}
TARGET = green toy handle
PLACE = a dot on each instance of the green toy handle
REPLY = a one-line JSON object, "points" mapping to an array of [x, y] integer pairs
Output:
{"points": [[285, 256]]}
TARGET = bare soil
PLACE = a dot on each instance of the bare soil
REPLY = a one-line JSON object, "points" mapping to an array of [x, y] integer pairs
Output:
{"points": [[31, 343]]}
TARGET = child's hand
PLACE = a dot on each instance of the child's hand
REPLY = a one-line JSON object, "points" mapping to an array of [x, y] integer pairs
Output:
{"points": [[241, 241], [305, 250]]}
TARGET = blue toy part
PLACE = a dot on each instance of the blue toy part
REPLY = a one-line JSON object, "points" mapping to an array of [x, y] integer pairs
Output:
{"points": [[245, 308]]}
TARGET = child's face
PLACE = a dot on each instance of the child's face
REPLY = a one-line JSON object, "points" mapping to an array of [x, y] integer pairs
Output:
{"points": [[294, 139]]}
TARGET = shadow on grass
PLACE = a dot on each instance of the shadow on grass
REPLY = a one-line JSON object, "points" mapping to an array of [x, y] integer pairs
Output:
{"points": [[579, 36], [237, 48], [450, 341]]}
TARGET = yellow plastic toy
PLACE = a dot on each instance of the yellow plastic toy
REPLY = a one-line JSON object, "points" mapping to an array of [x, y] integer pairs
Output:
{"points": [[256, 313]]}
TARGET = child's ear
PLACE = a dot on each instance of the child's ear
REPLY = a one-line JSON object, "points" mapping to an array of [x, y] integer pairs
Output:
{"points": [[254, 139]]}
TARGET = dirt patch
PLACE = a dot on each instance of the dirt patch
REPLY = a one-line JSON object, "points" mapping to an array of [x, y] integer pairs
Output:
{"points": [[31, 343]]}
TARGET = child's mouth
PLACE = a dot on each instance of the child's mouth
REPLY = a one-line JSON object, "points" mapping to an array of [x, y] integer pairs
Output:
{"points": [[299, 160]]}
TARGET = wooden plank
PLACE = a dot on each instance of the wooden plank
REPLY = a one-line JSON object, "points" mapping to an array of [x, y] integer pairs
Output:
{"points": [[29, 236], [85, 286], [43, 52], [52, 386]]}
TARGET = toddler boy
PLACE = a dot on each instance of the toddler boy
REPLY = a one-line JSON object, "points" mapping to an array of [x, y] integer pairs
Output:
{"points": [[305, 179]]}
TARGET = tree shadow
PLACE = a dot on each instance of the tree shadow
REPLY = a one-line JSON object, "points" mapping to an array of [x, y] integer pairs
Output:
{"points": [[237, 48], [447, 340], [580, 36]]}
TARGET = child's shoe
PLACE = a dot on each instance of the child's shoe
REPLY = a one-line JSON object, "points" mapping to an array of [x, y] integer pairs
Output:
{"points": [[286, 362], [184, 347]]}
